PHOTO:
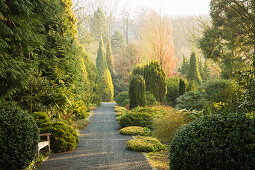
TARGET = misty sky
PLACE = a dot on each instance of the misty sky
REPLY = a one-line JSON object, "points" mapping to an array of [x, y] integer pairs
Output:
{"points": [[171, 7]]}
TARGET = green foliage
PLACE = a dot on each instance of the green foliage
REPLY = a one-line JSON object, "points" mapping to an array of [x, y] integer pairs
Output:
{"points": [[142, 119], [117, 41], [140, 116], [63, 137], [133, 130], [150, 99], [221, 141], [41, 118], [172, 90], [182, 87], [138, 70], [165, 127], [155, 81], [193, 74], [18, 137], [99, 25], [127, 101], [225, 91], [119, 84], [191, 100], [137, 91], [79, 110], [107, 89], [109, 57], [121, 97], [184, 69], [145, 144], [101, 63], [247, 81]]}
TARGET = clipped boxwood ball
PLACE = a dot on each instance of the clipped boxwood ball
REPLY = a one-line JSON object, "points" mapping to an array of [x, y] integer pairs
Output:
{"points": [[18, 137], [63, 137], [133, 130], [215, 142]]}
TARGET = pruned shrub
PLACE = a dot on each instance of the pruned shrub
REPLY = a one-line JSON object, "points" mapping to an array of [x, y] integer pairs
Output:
{"points": [[140, 116], [133, 130], [218, 141], [120, 109], [145, 144], [150, 99], [121, 97], [18, 137], [165, 127], [137, 91], [63, 137]]}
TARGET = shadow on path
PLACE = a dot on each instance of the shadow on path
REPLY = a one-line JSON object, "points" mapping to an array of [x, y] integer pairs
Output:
{"points": [[101, 147]]}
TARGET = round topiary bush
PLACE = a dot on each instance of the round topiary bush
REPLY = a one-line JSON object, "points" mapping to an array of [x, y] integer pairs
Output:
{"points": [[133, 130], [63, 137], [144, 144], [136, 119], [121, 97], [224, 141], [19, 136]]}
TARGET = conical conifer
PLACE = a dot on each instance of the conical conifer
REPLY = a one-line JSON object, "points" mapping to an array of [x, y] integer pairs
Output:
{"points": [[109, 58], [193, 74], [101, 63]]}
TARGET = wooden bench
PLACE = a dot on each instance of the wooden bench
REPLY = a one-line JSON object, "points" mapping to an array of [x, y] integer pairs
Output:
{"points": [[44, 143]]}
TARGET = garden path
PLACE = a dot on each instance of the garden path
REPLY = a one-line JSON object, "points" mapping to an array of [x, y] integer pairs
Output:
{"points": [[101, 147]]}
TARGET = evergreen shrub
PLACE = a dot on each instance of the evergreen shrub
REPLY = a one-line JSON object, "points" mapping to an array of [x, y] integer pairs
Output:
{"points": [[140, 116], [133, 130], [126, 102], [63, 137], [150, 99], [137, 91], [19, 136], [172, 90], [218, 141], [145, 144], [121, 97]]}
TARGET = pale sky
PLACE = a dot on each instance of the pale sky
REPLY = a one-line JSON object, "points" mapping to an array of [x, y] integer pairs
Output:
{"points": [[171, 7]]}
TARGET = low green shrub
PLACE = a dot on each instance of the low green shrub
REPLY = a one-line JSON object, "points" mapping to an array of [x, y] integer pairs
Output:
{"points": [[41, 118], [140, 116], [133, 130], [18, 137], [172, 90], [120, 109], [150, 99], [165, 126], [136, 119], [80, 110], [121, 97], [63, 137], [218, 141], [192, 100], [145, 144], [127, 101]]}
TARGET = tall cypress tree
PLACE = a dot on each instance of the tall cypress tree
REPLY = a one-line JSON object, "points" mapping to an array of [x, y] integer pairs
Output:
{"points": [[193, 74], [185, 67], [107, 89], [101, 63], [109, 58], [137, 91]]}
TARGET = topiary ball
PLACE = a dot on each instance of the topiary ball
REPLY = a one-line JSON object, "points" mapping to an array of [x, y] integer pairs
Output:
{"points": [[63, 137], [215, 142], [144, 144], [19, 136]]}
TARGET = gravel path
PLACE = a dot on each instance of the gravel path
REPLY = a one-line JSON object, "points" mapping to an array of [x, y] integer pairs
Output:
{"points": [[101, 147]]}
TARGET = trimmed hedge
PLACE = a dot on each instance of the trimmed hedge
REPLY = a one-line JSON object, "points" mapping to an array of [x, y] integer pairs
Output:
{"points": [[133, 130], [145, 144], [18, 137], [223, 141]]}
